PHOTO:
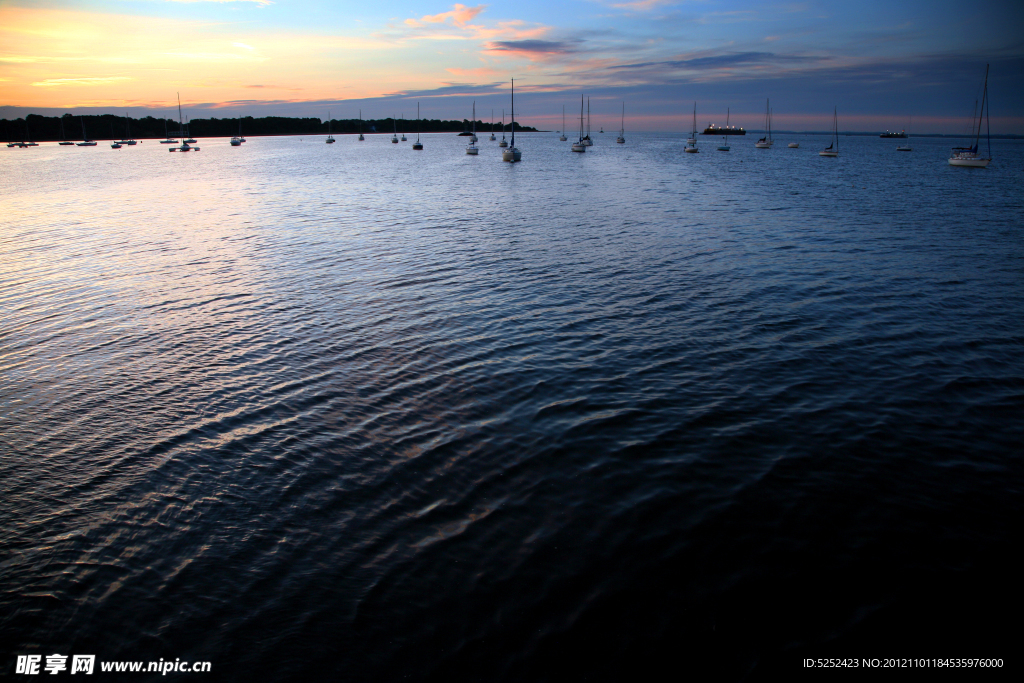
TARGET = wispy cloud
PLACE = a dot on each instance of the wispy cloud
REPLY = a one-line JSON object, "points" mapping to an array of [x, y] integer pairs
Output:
{"points": [[93, 80], [724, 60], [644, 5], [459, 15], [459, 24], [481, 72], [532, 47]]}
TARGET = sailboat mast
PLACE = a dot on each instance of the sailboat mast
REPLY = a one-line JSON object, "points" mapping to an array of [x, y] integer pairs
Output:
{"points": [[179, 114], [581, 118], [513, 112], [988, 128], [982, 113]]}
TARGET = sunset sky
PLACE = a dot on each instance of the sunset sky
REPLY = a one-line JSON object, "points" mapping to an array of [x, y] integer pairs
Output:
{"points": [[883, 64]]}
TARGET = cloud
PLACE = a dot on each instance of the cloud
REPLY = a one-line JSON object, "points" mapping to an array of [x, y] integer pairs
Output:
{"points": [[724, 61], [460, 15], [95, 80], [527, 47], [644, 5], [481, 72], [243, 45]]}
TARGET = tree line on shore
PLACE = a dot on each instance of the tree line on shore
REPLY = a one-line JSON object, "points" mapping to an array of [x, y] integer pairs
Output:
{"points": [[108, 126]]}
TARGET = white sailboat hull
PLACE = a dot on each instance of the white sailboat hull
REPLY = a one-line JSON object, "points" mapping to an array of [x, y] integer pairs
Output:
{"points": [[512, 154], [691, 150], [828, 153], [579, 147], [794, 145], [472, 150], [969, 162]]}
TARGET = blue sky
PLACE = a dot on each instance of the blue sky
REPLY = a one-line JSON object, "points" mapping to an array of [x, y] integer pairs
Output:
{"points": [[883, 64]]}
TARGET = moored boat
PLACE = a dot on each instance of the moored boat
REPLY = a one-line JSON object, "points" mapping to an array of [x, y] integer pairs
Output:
{"points": [[969, 156], [833, 149], [512, 153], [766, 142], [691, 143]]}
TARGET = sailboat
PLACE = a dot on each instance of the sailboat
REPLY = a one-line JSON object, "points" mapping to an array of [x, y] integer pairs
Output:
{"points": [[330, 137], [833, 149], [473, 149], [503, 142], [237, 140], [403, 138], [578, 146], [190, 140], [622, 128], [114, 144], [905, 147], [128, 139], [86, 142], [63, 138], [394, 131], [968, 156], [724, 147], [766, 142], [28, 134], [586, 139], [512, 153], [417, 144], [168, 140], [562, 137], [691, 144], [492, 127], [184, 143], [361, 125]]}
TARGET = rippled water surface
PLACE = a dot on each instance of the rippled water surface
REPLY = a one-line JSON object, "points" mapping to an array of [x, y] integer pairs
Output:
{"points": [[354, 412]]}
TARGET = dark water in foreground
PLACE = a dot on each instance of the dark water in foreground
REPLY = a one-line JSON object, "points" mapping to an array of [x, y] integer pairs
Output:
{"points": [[352, 412]]}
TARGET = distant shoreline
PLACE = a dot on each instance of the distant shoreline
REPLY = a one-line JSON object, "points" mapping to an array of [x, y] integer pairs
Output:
{"points": [[48, 128]]}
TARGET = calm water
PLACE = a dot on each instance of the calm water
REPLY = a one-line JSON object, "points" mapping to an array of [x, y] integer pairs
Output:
{"points": [[355, 412]]}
